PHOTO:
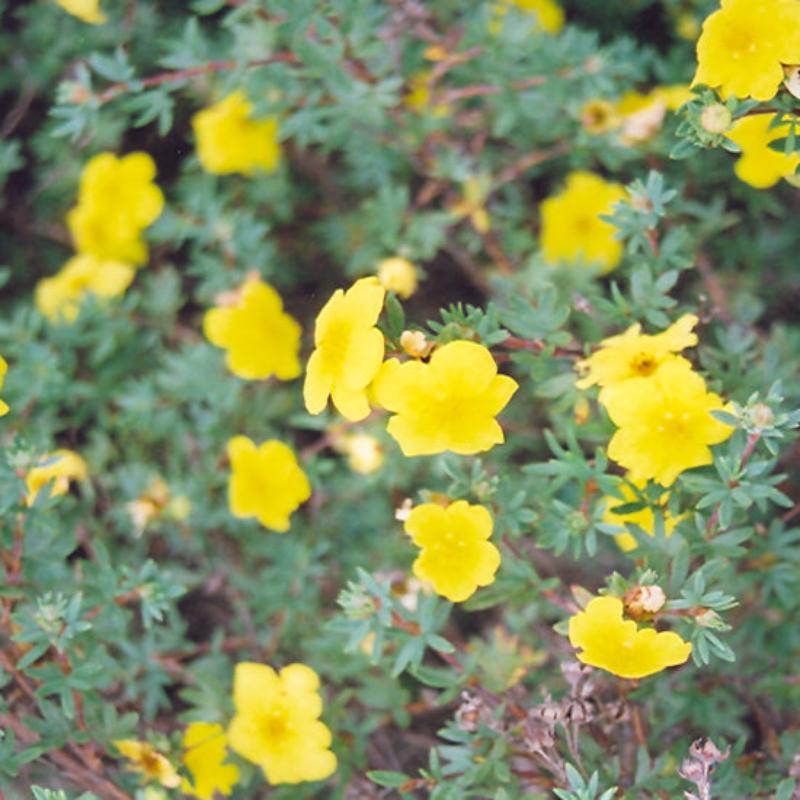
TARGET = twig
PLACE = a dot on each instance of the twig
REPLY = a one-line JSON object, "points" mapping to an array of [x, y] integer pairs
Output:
{"points": [[161, 78]]}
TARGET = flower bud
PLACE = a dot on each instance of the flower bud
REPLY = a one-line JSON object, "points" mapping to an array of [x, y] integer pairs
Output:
{"points": [[716, 119], [792, 79], [415, 344], [642, 601], [762, 416], [398, 275]]}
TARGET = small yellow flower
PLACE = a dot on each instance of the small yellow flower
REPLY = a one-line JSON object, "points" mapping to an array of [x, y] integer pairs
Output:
{"points": [[266, 482], [644, 519], [450, 403], [59, 467], [3, 369], [665, 424], [619, 646], [152, 765], [599, 116], [572, 230], [549, 15], [398, 275], [204, 756], [117, 200], [760, 165], [418, 98], [472, 204], [230, 140], [687, 27], [277, 723], [157, 502], [456, 556], [744, 45], [349, 350], [260, 338], [60, 296], [364, 452], [86, 10], [635, 355]]}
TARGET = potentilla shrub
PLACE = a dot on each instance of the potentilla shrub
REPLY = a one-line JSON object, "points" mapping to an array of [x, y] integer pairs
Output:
{"points": [[398, 399]]}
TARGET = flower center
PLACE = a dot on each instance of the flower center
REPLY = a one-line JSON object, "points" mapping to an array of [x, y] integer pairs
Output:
{"points": [[644, 364], [275, 724]]}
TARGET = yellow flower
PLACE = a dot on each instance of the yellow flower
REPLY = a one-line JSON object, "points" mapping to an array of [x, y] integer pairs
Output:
{"points": [[266, 482], [60, 467], [230, 140], [645, 518], [144, 758], [277, 723], [3, 370], [398, 275], [572, 230], [744, 45], [619, 646], [476, 190], [204, 757], [260, 338], [687, 27], [86, 10], [599, 116], [635, 355], [549, 15], [60, 296], [349, 350], [117, 200], [760, 165], [364, 452], [418, 98], [665, 424], [456, 555], [450, 403]]}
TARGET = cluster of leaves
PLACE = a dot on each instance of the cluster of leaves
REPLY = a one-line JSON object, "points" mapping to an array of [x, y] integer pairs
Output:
{"points": [[108, 631]]}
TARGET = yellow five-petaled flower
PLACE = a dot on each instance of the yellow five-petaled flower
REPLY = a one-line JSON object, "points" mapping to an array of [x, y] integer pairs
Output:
{"points": [[456, 555], [634, 354], [665, 424], [260, 338], [572, 231], [450, 403], [230, 140], [349, 350], [745, 44], [59, 297], [277, 723], [619, 646], [266, 482], [117, 200]]}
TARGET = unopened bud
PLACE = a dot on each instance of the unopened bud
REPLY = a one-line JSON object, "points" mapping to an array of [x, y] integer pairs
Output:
{"points": [[716, 118], [762, 415], [642, 601], [708, 618], [792, 79], [402, 513], [415, 344]]}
